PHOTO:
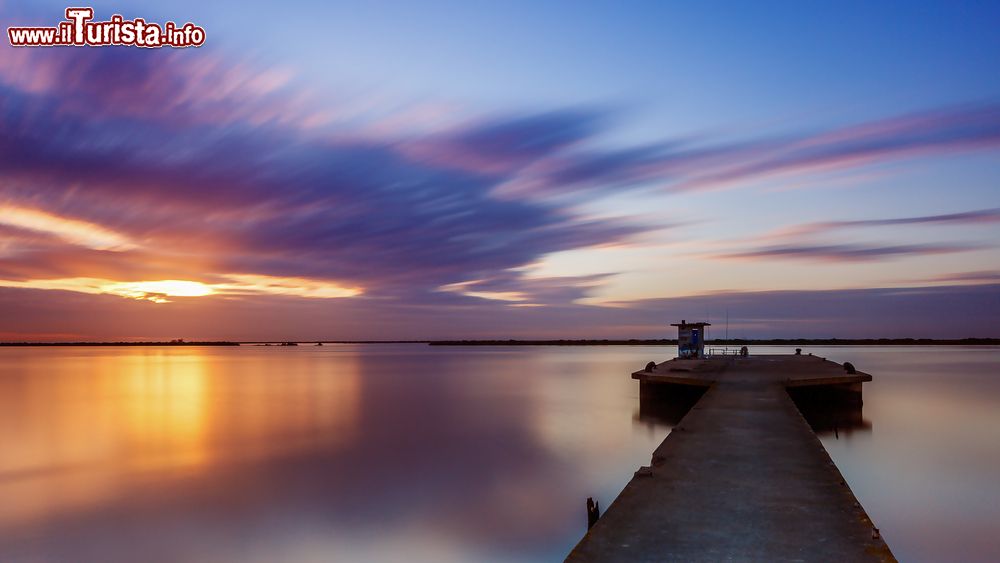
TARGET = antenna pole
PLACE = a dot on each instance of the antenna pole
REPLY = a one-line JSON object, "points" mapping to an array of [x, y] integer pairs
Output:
{"points": [[727, 327]]}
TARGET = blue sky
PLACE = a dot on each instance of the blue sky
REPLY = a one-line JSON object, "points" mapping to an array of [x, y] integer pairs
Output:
{"points": [[507, 168]]}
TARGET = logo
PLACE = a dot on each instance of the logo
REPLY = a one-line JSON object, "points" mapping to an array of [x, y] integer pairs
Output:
{"points": [[79, 30]]}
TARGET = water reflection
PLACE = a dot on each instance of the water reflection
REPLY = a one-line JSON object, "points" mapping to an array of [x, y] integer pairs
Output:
{"points": [[827, 410], [165, 410], [667, 404], [415, 453], [830, 412], [349, 453]]}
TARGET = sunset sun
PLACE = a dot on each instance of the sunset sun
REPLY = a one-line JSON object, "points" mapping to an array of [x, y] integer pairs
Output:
{"points": [[158, 291]]}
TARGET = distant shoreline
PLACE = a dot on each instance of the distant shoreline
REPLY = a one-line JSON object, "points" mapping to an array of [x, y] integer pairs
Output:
{"points": [[733, 342], [561, 342], [19, 344]]}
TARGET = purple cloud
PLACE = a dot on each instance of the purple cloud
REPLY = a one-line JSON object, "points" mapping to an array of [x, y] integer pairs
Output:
{"points": [[514, 288], [682, 166], [803, 241], [234, 193], [506, 145], [209, 167], [177, 88], [846, 252], [967, 217], [985, 276], [939, 131], [976, 217]]}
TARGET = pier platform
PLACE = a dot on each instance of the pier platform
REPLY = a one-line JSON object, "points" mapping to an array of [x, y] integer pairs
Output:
{"points": [[742, 477]]}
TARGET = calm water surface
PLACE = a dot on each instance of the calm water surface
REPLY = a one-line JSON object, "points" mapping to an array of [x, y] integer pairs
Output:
{"points": [[417, 453]]}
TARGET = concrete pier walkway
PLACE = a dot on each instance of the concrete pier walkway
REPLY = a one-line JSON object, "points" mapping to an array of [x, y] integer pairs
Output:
{"points": [[742, 477]]}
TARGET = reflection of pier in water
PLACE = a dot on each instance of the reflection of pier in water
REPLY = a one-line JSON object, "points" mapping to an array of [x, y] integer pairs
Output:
{"points": [[668, 403], [828, 412]]}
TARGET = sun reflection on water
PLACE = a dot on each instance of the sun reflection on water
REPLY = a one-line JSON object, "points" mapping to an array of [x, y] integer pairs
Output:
{"points": [[87, 427], [166, 410]]}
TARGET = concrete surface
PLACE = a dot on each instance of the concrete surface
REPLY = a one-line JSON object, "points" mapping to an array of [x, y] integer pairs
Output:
{"points": [[741, 478]]}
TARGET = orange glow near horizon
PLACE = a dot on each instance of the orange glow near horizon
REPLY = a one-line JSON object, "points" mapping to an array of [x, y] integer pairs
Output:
{"points": [[74, 231], [280, 285], [160, 291]]}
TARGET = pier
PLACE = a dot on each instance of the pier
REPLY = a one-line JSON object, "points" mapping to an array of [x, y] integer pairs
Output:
{"points": [[742, 476]]}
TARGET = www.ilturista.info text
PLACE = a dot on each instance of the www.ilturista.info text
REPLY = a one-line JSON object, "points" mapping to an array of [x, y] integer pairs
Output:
{"points": [[79, 30]]}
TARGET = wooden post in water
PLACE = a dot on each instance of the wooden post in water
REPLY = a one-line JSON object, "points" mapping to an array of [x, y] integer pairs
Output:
{"points": [[593, 512]]}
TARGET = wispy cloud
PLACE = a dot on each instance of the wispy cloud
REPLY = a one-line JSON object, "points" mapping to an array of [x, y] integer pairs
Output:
{"points": [[233, 193], [966, 217], [937, 131], [168, 87], [131, 166], [976, 217], [982, 276], [678, 165], [812, 241], [845, 252], [72, 231], [515, 288]]}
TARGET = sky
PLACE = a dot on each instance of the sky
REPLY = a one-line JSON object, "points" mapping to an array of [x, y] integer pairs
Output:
{"points": [[436, 170]]}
